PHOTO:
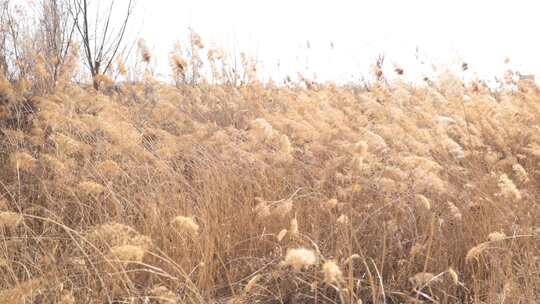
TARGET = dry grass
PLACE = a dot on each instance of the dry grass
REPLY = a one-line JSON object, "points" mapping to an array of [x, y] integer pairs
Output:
{"points": [[151, 193]]}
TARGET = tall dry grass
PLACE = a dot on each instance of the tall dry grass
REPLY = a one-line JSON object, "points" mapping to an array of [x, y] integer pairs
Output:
{"points": [[151, 193], [221, 189]]}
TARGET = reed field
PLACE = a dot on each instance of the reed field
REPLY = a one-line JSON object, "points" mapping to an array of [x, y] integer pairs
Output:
{"points": [[223, 189]]}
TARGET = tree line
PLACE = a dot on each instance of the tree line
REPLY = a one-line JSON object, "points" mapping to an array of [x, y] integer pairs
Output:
{"points": [[42, 43]]}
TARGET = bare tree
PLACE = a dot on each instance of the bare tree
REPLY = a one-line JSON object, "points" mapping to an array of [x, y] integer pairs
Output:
{"points": [[102, 40], [56, 29], [4, 37], [35, 40], [13, 35]]}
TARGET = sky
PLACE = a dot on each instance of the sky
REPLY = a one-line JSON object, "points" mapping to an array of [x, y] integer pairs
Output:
{"points": [[276, 33]]}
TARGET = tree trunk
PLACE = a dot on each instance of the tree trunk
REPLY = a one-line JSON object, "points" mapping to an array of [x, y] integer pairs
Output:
{"points": [[95, 83]]}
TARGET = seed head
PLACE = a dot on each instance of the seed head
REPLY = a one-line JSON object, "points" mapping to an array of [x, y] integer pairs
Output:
{"points": [[252, 283], [262, 210], [508, 188], [343, 220], [263, 130], [453, 275], [23, 161], [496, 236], [127, 253], [52, 163], [91, 188], [521, 173], [475, 252], [294, 227], [109, 168], [281, 235], [454, 211], [10, 219], [283, 208], [423, 202], [145, 52], [185, 225], [332, 273], [422, 279], [3, 204], [300, 258], [330, 204]]}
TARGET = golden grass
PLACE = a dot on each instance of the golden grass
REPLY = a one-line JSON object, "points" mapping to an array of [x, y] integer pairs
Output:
{"points": [[264, 194]]}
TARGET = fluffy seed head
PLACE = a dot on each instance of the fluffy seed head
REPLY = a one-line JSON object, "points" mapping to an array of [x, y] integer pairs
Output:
{"points": [[353, 256], [52, 163], [343, 220], [285, 145], [262, 210], [454, 149], [521, 173], [332, 272], [178, 64], [145, 52], [300, 258], [417, 248], [453, 275], [508, 188], [3, 204], [423, 202], [127, 253], [475, 252], [422, 279], [281, 235], [109, 168], [116, 234], [282, 209], [262, 128], [91, 188], [10, 219], [454, 211], [121, 67], [496, 236], [23, 161], [330, 204], [185, 225]]}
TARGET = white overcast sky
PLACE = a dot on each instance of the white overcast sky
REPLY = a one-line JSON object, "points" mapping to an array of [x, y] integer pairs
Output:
{"points": [[480, 32]]}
